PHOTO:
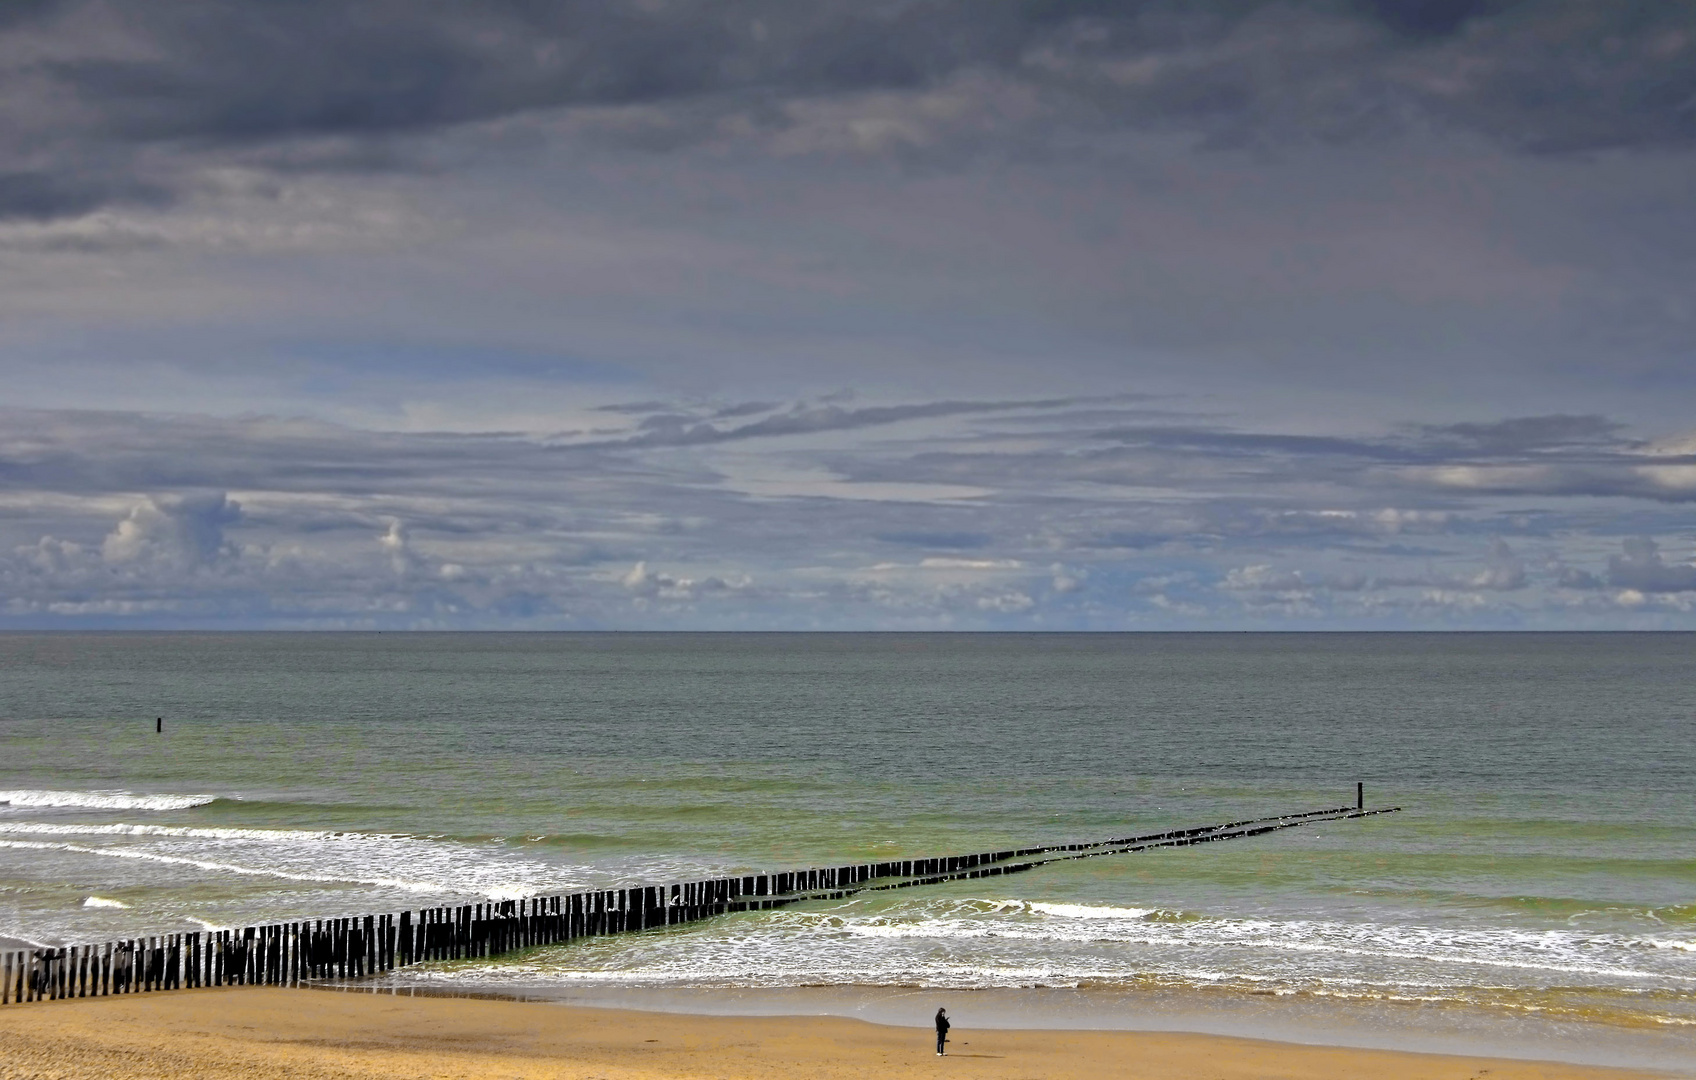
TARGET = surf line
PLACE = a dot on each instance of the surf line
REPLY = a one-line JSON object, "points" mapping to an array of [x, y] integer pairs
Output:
{"points": [[329, 951]]}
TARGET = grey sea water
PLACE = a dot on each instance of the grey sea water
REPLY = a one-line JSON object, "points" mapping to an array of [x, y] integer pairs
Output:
{"points": [[1544, 868]]}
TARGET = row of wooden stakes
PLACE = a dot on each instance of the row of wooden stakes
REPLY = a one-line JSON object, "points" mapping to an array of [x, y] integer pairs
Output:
{"points": [[292, 953]]}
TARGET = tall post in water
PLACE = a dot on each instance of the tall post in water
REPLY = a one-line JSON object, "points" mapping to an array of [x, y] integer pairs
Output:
{"points": [[159, 726], [1360, 795]]}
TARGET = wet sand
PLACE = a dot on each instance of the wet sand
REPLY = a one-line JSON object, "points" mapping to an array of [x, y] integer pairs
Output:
{"points": [[307, 1034]]}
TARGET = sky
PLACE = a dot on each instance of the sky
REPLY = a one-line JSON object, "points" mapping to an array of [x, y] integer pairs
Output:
{"points": [[848, 314]]}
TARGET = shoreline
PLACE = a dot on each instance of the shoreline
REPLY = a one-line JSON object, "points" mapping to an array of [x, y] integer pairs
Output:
{"points": [[306, 1033], [1399, 1026]]}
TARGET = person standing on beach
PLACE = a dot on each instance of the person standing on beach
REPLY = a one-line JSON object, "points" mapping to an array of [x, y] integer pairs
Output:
{"points": [[941, 1030]]}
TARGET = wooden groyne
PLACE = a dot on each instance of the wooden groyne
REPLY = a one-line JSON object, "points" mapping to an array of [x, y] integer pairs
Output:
{"points": [[321, 950]]}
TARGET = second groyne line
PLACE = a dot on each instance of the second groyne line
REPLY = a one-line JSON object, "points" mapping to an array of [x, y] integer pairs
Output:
{"points": [[294, 953]]}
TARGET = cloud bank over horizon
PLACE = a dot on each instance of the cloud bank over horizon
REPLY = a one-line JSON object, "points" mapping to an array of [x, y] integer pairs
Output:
{"points": [[1041, 514], [1018, 314]]}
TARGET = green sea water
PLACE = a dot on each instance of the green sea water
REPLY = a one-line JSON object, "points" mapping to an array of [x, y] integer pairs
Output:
{"points": [[1544, 864]]}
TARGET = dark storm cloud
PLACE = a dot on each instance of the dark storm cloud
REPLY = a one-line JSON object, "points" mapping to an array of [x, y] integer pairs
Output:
{"points": [[95, 82], [39, 195], [1429, 18]]}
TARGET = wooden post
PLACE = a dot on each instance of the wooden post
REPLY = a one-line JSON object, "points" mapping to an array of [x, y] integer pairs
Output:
{"points": [[159, 726], [1360, 795]]}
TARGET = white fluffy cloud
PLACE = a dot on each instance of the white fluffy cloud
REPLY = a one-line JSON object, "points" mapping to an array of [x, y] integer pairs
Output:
{"points": [[180, 531]]}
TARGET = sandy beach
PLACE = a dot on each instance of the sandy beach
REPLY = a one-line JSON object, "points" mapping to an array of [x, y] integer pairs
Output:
{"points": [[306, 1034]]}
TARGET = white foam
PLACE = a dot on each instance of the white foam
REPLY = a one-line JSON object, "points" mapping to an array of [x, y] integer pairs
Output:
{"points": [[223, 867], [55, 828], [384, 860], [101, 901], [507, 892], [957, 942], [1090, 911], [462, 868], [101, 800]]}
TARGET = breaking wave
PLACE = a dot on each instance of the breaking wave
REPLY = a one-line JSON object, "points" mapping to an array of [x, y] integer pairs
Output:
{"points": [[100, 800]]}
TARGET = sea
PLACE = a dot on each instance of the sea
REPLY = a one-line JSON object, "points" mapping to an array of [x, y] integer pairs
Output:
{"points": [[1534, 896]]}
